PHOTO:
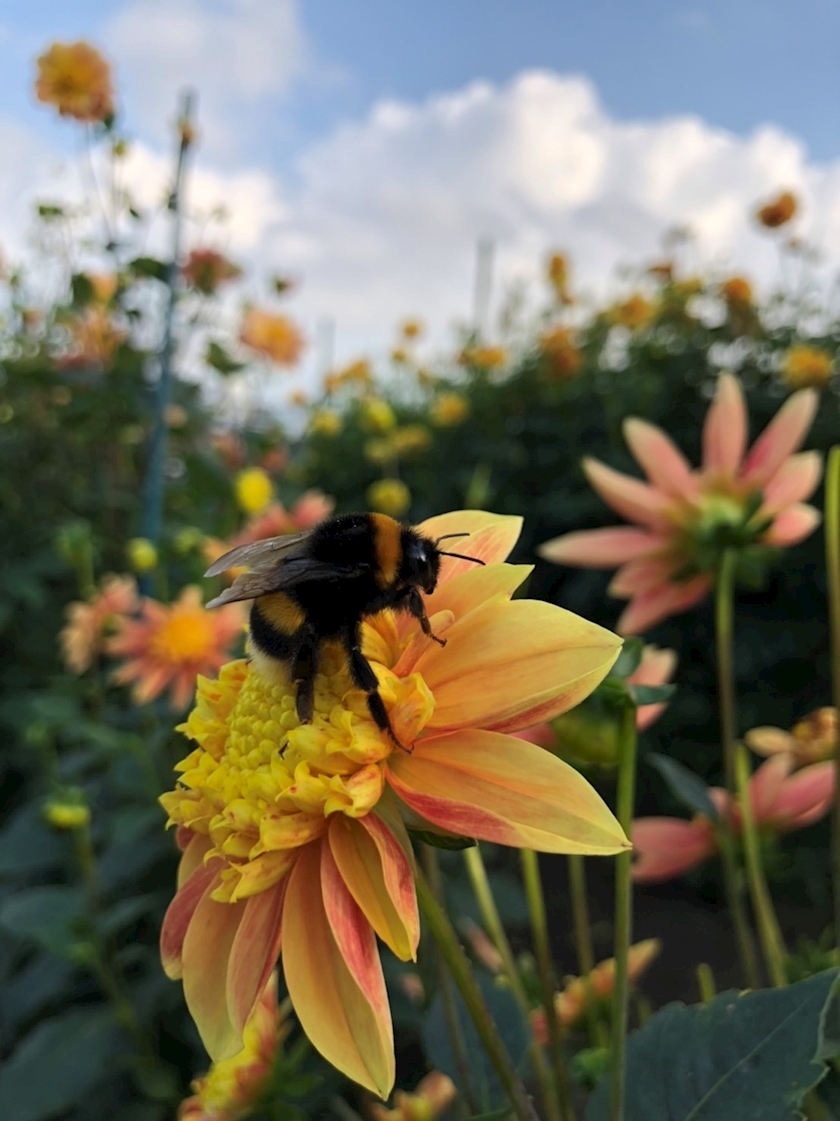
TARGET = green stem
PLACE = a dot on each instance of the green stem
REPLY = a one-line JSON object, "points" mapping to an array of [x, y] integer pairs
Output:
{"points": [[832, 564], [548, 986], [724, 597], [706, 983], [447, 993], [625, 801], [583, 944], [772, 943], [453, 954], [492, 920]]}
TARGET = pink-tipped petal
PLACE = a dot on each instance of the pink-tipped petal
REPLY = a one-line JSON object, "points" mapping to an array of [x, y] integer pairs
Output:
{"points": [[781, 437], [193, 848], [766, 785], [639, 576], [633, 499], [207, 947], [663, 463], [796, 480], [656, 668], [652, 607], [793, 525], [600, 548], [805, 796], [254, 953], [665, 847], [179, 915], [489, 537], [725, 428]]}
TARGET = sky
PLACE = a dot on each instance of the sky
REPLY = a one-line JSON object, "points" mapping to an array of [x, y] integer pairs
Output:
{"points": [[366, 147]]}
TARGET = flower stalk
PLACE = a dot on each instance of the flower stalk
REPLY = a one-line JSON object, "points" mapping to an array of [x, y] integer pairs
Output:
{"points": [[453, 954], [623, 910], [832, 563], [583, 943], [772, 943]]}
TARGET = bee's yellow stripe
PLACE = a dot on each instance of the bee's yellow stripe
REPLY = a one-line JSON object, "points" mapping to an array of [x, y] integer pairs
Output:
{"points": [[282, 612], [388, 550]]}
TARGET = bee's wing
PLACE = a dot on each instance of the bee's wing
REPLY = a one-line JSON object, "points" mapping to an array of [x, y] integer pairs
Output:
{"points": [[284, 574], [258, 554]]}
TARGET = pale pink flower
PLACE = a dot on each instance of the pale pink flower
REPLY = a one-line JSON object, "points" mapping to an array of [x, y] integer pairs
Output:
{"points": [[312, 507], [659, 570], [87, 623]]}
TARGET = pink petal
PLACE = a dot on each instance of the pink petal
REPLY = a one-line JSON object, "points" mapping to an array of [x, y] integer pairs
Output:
{"points": [[667, 847], [659, 603], [792, 525], [766, 785], [600, 548], [656, 668], [663, 463], [179, 915], [805, 796], [796, 480], [725, 428], [639, 576], [254, 952], [207, 947], [540, 734], [781, 437], [633, 499]]}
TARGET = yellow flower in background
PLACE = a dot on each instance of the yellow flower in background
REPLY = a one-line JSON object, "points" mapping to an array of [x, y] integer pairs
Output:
{"points": [[558, 277], [448, 410], [76, 79], [380, 450], [389, 496], [432, 1096], [399, 355], [634, 313], [274, 336], [358, 375], [560, 352], [737, 290], [325, 422], [779, 211], [483, 357], [87, 623], [377, 415], [254, 490], [410, 439], [188, 540], [292, 834], [411, 329], [806, 366], [810, 741], [141, 554], [299, 399], [66, 815], [104, 285]]}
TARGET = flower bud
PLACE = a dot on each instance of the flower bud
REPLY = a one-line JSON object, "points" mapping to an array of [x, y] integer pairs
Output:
{"points": [[141, 554], [254, 490], [66, 815], [389, 496]]}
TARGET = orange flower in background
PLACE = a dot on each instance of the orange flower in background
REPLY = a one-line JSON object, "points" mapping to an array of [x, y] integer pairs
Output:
{"points": [[273, 336], [168, 646], [779, 211], [76, 79], [298, 845], [781, 802], [104, 285], [634, 313], [737, 290], [232, 1087], [804, 366], [560, 352], [809, 741], [312, 507], [411, 329], [432, 1096], [93, 340], [558, 277], [207, 269], [82, 637], [483, 357], [683, 517]]}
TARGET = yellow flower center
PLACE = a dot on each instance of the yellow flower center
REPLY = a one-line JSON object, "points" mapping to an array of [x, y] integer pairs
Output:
{"points": [[260, 783], [185, 637]]}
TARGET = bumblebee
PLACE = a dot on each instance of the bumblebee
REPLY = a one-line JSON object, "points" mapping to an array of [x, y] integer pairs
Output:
{"points": [[313, 587]]}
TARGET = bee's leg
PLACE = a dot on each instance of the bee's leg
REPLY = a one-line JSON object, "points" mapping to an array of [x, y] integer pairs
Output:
{"points": [[364, 678], [414, 603], [304, 669]]}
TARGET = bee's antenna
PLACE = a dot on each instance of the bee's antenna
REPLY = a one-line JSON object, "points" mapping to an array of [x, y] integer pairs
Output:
{"points": [[446, 537], [461, 556]]}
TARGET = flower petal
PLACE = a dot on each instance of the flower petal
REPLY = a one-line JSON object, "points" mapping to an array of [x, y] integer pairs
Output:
{"points": [[502, 789], [254, 953], [378, 876], [467, 590], [207, 947], [600, 548], [767, 740], [665, 847], [656, 668], [793, 525], [725, 427], [806, 796], [766, 785], [633, 499], [796, 480], [333, 1010], [490, 537], [781, 437], [508, 665], [192, 855], [661, 460], [659, 603], [639, 576], [179, 915]]}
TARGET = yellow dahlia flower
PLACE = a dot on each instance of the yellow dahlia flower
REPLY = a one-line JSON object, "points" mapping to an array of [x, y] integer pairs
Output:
{"points": [[294, 836], [76, 79], [273, 336]]}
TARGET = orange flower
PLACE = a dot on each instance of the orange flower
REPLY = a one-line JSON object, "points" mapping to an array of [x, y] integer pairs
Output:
{"points": [[298, 841], [432, 1096], [809, 741], [634, 313], [411, 329], [168, 646], [273, 336], [76, 79], [779, 211], [312, 507], [558, 277], [561, 354], [483, 357], [81, 638], [804, 366], [737, 290], [207, 269], [232, 1087], [684, 517], [104, 285], [93, 340]]}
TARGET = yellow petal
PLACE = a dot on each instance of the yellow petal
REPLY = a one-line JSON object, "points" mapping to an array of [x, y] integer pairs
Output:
{"points": [[489, 537], [498, 788], [206, 955], [469, 589], [508, 665]]}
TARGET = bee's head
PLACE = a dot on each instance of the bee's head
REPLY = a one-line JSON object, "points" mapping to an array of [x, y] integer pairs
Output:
{"points": [[421, 561]]}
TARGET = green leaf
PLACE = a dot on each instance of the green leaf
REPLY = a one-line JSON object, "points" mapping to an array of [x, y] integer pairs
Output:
{"points": [[652, 694], [629, 658], [829, 1033], [750, 1057], [81, 289], [441, 840], [52, 914], [150, 267], [50, 210], [217, 357], [684, 784], [27, 844], [57, 1064]]}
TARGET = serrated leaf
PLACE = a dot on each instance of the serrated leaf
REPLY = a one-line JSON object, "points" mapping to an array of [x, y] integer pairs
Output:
{"points": [[684, 784], [51, 914], [442, 840], [57, 1063], [748, 1056]]}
